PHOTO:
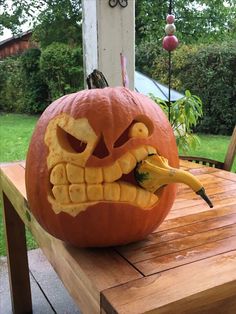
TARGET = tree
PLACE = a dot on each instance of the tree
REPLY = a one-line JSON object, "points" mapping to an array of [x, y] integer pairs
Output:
{"points": [[61, 66], [195, 20], [13, 14], [51, 20], [199, 21], [60, 22]]}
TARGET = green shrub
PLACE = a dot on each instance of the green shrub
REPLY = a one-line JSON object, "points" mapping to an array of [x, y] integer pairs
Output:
{"points": [[10, 85], [184, 115], [145, 55], [209, 72], [35, 96], [28, 83], [22, 88], [61, 66]]}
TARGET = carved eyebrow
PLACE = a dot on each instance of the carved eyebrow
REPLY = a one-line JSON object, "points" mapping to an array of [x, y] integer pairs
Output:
{"points": [[77, 127]]}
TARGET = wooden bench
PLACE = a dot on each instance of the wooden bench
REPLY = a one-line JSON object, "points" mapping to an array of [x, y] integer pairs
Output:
{"points": [[188, 265]]}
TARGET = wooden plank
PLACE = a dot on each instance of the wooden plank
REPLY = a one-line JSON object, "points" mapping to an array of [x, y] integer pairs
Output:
{"points": [[192, 199], [188, 203], [17, 259], [205, 169], [146, 252], [16, 174], [179, 290], [182, 231], [226, 306], [189, 208], [18, 162], [211, 185], [211, 188], [206, 179], [189, 255], [190, 165], [82, 271], [204, 176], [201, 216], [226, 175]]}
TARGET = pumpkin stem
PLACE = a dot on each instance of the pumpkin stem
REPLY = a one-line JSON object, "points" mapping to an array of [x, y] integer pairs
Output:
{"points": [[96, 80]]}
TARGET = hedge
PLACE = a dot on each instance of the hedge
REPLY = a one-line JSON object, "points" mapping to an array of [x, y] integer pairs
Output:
{"points": [[36, 91], [208, 71], [62, 68], [11, 92], [30, 82]]}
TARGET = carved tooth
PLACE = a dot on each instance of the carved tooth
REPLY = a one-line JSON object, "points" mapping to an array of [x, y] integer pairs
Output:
{"points": [[142, 198], [154, 199], [111, 191], [151, 150], [140, 153], [95, 192], [61, 194], [93, 175], [58, 175], [75, 173], [127, 192], [112, 173], [127, 163], [78, 193]]}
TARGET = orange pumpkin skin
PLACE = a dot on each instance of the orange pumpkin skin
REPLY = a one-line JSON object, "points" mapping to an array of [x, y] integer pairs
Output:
{"points": [[109, 111]]}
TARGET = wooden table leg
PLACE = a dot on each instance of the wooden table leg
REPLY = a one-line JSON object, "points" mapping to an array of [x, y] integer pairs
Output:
{"points": [[17, 259]]}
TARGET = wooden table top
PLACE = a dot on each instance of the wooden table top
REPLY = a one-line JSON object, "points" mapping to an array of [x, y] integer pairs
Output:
{"points": [[188, 265]]}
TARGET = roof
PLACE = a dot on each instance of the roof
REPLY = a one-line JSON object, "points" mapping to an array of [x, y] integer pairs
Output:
{"points": [[146, 85], [19, 36]]}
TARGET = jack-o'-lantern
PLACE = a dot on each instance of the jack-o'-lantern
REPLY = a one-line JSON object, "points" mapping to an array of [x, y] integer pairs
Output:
{"points": [[80, 167]]}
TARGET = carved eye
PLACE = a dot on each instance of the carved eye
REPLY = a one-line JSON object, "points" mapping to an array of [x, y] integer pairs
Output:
{"points": [[69, 140], [70, 143], [138, 129], [141, 127]]}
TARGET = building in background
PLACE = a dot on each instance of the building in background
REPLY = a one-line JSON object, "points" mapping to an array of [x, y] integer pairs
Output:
{"points": [[16, 45]]}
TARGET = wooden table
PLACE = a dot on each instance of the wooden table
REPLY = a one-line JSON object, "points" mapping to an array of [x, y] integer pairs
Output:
{"points": [[188, 265]]}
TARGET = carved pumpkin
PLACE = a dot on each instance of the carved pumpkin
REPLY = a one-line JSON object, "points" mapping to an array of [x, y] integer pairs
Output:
{"points": [[79, 169]]}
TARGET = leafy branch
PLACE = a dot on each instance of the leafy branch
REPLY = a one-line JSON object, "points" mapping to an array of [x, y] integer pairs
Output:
{"points": [[184, 116]]}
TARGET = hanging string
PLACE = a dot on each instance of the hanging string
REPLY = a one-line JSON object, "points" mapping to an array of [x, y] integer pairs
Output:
{"points": [[170, 42], [169, 84], [169, 69], [170, 7]]}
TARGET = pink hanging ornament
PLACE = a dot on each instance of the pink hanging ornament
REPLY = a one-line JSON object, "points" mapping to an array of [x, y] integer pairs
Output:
{"points": [[170, 42], [170, 29], [170, 19]]}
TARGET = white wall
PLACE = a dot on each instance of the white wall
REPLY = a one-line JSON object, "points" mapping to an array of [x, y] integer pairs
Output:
{"points": [[107, 32]]}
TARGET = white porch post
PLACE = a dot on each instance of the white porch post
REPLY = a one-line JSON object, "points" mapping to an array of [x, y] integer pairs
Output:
{"points": [[107, 32]]}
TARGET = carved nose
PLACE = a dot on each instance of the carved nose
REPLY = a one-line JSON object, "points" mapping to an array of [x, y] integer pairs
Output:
{"points": [[101, 150]]}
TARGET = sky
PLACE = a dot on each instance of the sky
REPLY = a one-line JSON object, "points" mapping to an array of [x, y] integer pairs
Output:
{"points": [[7, 33]]}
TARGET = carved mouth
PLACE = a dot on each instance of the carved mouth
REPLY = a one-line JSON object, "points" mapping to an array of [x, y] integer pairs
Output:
{"points": [[74, 188]]}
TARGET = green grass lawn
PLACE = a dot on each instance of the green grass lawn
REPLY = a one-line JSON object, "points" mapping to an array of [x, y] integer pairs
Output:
{"points": [[16, 131], [213, 147]]}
